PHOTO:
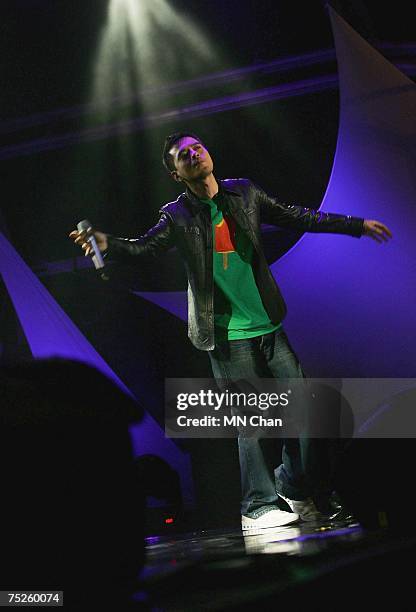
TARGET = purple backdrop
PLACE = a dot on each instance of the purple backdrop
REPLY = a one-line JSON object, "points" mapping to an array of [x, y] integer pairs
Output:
{"points": [[352, 302]]}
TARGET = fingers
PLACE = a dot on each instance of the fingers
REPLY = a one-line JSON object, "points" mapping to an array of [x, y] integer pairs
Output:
{"points": [[81, 239], [379, 236], [376, 237], [382, 230], [87, 248], [75, 235], [377, 231]]}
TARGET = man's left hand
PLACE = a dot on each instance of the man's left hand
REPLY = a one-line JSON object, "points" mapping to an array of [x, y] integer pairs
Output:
{"points": [[376, 230]]}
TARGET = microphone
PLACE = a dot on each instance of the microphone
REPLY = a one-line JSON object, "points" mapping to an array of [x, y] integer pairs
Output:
{"points": [[97, 258]]}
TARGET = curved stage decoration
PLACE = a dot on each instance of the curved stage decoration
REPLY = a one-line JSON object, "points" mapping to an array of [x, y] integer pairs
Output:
{"points": [[351, 302]]}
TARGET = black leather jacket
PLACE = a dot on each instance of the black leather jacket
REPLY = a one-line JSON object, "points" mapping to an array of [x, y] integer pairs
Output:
{"points": [[186, 224]]}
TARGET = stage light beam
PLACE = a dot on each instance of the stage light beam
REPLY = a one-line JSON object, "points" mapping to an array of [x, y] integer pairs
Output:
{"points": [[144, 44]]}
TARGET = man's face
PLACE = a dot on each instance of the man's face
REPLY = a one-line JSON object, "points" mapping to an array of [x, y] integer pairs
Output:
{"points": [[191, 159]]}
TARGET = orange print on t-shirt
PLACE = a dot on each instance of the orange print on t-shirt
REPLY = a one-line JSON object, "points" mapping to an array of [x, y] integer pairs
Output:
{"points": [[225, 238]]}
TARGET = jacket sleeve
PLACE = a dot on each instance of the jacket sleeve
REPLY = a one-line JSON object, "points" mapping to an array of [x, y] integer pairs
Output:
{"points": [[305, 219], [154, 242]]}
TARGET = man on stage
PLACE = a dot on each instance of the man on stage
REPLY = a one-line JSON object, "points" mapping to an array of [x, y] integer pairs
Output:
{"points": [[235, 309]]}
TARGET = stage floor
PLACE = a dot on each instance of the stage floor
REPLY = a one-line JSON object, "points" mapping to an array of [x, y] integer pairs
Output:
{"points": [[166, 554], [316, 563]]}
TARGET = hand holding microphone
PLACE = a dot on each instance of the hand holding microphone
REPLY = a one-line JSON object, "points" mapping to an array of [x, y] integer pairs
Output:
{"points": [[92, 242]]}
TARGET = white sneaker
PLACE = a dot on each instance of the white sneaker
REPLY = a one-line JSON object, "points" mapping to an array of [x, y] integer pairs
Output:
{"points": [[272, 518], [277, 539], [305, 508]]}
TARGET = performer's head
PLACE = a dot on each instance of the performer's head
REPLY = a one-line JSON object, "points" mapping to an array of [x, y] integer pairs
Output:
{"points": [[186, 158]]}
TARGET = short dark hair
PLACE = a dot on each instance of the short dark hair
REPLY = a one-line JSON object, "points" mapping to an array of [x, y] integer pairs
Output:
{"points": [[170, 142]]}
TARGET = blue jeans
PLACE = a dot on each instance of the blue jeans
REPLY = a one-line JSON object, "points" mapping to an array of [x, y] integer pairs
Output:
{"points": [[268, 356]]}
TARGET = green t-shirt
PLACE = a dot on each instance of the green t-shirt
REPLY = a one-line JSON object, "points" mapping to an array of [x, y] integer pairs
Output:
{"points": [[238, 308]]}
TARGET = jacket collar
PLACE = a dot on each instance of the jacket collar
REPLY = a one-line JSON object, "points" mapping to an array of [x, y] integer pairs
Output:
{"points": [[222, 190]]}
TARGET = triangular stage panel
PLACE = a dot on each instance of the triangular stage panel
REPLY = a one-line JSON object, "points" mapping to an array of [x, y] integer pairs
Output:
{"points": [[173, 301], [51, 333]]}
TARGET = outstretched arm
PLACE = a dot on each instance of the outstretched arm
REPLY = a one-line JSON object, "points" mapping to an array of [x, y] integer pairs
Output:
{"points": [[155, 241], [305, 219]]}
